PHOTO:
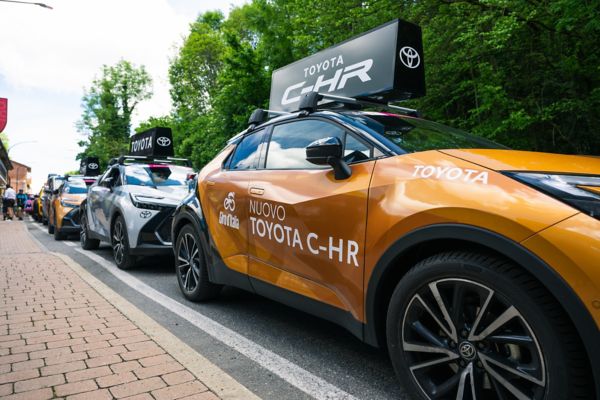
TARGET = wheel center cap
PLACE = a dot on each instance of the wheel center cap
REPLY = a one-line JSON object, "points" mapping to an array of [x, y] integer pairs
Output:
{"points": [[467, 350]]}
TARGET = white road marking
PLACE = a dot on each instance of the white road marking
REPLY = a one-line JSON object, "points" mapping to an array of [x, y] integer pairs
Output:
{"points": [[71, 244], [285, 369]]}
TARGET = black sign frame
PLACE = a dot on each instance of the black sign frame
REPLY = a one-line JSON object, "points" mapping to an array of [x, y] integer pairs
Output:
{"points": [[382, 65], [155, 142]]}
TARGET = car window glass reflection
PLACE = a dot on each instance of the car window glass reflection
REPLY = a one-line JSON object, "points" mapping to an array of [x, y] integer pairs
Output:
{"points": [[246, 152], [287, 148]]}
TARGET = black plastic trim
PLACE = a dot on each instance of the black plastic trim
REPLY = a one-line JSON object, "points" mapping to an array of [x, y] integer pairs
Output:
{"points": [[583, 321], [310, 306]]}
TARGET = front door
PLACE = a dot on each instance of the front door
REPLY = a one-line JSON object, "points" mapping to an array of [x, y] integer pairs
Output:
{"points": [[307, 229], [225, 190]]}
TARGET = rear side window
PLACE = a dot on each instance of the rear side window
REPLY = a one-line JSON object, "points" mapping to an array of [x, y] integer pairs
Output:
{"points": [[246, 152]]}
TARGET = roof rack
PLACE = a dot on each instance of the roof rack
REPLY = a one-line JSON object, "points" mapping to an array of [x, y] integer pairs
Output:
{"points": [[139, 159], [259, 116], [310, 103]]}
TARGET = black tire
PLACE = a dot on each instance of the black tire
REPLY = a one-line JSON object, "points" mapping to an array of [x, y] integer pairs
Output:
{"points": [[434, 356], [87, 243], [50, 226], [120, 244], [190, 267], [58, 235], [44, 221]]}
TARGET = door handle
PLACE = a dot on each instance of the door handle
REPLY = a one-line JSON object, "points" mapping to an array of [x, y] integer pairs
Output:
{"points": [[210, 183], [257, 191]]}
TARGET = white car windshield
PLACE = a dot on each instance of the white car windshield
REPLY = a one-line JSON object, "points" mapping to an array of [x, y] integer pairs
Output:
{"points": [[157, 175]]}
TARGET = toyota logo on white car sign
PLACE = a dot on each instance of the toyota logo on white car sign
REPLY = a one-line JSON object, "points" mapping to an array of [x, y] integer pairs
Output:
{"points": [[93, 166], [163, 141], [410, 57], [155, 142]]}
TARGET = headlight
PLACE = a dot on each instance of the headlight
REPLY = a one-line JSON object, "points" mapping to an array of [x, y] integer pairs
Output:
{"points": [[68, 203], [146, 202], [580, 192]]}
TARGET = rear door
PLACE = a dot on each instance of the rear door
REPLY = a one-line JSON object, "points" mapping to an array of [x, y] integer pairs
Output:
{"points": [[307, 229]]}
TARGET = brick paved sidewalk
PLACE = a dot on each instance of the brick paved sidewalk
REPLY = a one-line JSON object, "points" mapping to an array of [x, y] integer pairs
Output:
{"points": [[59, 338]]}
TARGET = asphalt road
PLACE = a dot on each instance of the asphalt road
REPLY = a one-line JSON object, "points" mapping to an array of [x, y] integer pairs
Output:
{"points": [[275, 351]]}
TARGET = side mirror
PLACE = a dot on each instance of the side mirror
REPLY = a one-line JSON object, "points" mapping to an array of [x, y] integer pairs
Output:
{"points": [[108, 182], [329, 151]]}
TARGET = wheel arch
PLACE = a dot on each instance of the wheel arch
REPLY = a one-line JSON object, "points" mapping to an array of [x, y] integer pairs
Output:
{"points": [[427, 241]]}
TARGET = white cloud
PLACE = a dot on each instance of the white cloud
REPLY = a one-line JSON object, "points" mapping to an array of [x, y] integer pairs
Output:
{"points": [[47, 57]]}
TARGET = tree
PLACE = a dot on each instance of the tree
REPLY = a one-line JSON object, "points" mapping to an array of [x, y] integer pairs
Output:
{"points": [[4, 139], [108, 106], [524, 73]]}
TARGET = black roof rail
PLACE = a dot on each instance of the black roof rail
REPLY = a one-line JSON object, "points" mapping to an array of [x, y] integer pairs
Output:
{"points": [[158, 159], [310, 103]]}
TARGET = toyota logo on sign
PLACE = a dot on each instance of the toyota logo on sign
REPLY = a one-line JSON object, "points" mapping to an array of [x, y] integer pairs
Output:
{"points": [[93, 166], [410, 57], [145, 214], [163, 141]]}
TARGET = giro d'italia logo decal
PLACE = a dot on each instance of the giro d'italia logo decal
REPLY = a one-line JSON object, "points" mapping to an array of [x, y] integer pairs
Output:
{"points": [[163, 141], [410, 57], [93, 166], [145, 214], [228, 218], [229, 202]]}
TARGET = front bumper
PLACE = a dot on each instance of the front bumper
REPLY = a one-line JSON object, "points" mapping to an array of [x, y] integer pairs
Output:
{"points": [[68, 220], [572, 249], [155, 235]]}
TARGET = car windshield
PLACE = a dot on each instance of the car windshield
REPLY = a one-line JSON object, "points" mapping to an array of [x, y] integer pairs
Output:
{"points": [[413, 134], [157, 175], [76, 187]]}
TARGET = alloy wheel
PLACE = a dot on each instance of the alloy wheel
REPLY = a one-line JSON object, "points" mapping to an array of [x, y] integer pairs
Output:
{"points": [[83, 232], [118, 242], [462, 340], [188, 262]]}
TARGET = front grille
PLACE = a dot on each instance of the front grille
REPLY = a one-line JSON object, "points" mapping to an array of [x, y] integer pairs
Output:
{"points": [[72, 218], [158, 229], [164, 230]]}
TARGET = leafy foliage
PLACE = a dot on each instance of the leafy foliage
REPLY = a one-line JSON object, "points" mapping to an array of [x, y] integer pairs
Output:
{"points": [[525, 73], [107, 109]]}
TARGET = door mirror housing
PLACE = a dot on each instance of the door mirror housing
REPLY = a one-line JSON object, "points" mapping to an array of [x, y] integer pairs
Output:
{"points": [[108, 182], [329, 151]]}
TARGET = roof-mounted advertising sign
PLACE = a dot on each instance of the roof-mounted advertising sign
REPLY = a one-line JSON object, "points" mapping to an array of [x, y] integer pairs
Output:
{"points": [[155, 142], [90, 166], [384, 64], [3, 113]]}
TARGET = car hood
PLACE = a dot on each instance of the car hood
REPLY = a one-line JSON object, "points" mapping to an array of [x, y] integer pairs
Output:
{"points": [[171, 194], [514, 160], [74, 198]]}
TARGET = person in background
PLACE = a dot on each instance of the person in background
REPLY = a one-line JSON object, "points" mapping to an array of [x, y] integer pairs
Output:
{"points": [[9, 202], [21, 200]]}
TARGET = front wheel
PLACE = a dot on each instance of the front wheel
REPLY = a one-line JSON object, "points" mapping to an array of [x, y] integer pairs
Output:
{"points": [[58, 235], [120, 245], [50, 227], [190, 266], [471, 326], [87, 243]]}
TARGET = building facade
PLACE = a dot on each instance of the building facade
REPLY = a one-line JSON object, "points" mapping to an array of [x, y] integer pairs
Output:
{"points": [[20, 177], [5, 167]]}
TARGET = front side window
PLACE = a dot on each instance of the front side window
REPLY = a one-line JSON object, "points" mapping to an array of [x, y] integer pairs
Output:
{"points": [[287, 147], [246, 152], [155, 175]]}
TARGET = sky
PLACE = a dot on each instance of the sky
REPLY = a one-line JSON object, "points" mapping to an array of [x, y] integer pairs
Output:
{"points": [[48, 57]]}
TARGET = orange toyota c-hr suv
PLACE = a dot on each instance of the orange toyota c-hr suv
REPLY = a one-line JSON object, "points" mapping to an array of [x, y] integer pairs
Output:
{"points": [[476, 265]]}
